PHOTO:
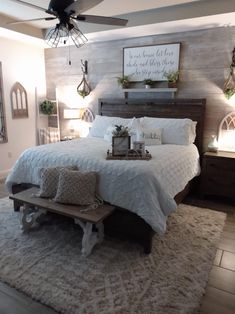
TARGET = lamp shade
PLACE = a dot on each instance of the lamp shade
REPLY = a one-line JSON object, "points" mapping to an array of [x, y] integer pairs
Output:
{"points": [[71, 113]]}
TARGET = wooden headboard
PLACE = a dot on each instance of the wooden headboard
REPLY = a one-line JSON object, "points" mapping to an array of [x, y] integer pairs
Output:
{"points": [[193, 109]]}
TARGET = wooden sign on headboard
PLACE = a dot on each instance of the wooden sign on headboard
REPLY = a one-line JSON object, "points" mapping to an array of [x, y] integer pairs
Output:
{"points": [[150, 62]]}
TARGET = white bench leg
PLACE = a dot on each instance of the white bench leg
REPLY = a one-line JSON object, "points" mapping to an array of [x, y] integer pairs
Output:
{"points": [[90, 238], [29, 216], [100, 227]]}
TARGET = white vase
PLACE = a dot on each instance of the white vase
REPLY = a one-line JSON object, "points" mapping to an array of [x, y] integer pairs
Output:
{"points": [[213, 144]]}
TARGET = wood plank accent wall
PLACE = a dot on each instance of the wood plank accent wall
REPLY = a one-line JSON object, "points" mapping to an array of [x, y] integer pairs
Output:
{"points": [[205, 58]]}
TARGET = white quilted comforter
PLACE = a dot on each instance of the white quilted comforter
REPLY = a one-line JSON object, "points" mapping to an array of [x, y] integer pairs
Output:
{"points": [[146, 188]]}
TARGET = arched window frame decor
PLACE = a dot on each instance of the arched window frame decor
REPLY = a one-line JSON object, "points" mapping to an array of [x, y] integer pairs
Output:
{"points": [[87, 115], [19, 101], [226, 138]]}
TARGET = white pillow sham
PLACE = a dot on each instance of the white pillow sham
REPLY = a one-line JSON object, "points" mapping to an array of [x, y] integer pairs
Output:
{"points": [[101, 123], [174, 131]]}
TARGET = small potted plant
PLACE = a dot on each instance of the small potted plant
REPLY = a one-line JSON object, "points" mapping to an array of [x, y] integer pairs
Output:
{"points": [[148, 83], [120, 131], [229, 92], [47, 107], [172, 78], [124, 81]]}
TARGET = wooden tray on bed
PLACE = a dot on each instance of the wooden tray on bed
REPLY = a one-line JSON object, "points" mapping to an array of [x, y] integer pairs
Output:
{"points": [[143, 157]]}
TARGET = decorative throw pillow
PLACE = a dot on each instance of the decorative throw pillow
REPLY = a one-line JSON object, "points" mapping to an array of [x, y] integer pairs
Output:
{"points": [[76, 187], [151, 136], [174, 131], [50, 179]]}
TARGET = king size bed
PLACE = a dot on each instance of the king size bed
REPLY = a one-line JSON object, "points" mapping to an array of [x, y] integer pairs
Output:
{"points": [[143, 192]]}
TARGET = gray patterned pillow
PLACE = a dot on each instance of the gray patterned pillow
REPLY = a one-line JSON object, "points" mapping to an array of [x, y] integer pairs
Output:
{"points": [[50, 179], [76, 187]]}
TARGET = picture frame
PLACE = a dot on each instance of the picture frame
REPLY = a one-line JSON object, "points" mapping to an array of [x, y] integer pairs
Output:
{"points": [[151, 61], [120, 145], [139, 146]]}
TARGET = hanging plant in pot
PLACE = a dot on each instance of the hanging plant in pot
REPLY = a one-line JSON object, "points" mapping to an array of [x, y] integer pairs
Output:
{"points": [[83, 88], [229, 92], [47, 107], [229, 85]]}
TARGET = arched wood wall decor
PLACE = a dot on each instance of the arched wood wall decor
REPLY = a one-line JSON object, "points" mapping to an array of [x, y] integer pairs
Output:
{"points": [[19, 101], [3, 126], [87, 115], [226, 136]]}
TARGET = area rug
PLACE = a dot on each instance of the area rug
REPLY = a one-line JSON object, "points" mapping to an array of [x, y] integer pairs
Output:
{"points": [[117, 278]]}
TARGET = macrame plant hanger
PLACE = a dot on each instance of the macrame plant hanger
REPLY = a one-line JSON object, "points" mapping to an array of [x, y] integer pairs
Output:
{"points": [[83, 88], [229, 85]]}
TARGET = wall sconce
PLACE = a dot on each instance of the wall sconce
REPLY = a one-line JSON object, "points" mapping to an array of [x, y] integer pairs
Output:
{"points": [[229, 85], [83, 88]]}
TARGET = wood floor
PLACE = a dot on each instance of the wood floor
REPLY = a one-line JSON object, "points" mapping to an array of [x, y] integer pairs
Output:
{"points": [[220, 293]]}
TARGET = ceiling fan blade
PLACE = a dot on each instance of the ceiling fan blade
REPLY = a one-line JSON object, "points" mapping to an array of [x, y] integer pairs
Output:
{"points": [[101, 19], [32, 20], [30, 5], [80, 6]]}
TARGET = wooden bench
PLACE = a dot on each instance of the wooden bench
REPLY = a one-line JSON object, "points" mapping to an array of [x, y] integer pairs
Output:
{"points": [[34, 207]]}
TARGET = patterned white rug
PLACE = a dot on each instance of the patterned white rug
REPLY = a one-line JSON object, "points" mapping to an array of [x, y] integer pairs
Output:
{"points": [[117, 278]]}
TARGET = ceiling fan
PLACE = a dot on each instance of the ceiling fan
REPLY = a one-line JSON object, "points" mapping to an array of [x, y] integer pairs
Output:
{"points": [[68, 12]]}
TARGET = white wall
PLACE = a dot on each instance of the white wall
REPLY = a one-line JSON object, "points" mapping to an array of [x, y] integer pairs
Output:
{"points": [[24, 63]]}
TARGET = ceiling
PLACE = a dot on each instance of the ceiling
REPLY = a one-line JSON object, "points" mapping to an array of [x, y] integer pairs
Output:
{"points": [[145, 17]]}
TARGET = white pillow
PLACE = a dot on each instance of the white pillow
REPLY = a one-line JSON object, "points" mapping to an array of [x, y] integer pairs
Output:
{"points": [[174, 131], [109, 134], [193, 132], [101, 123], [150, 136]]}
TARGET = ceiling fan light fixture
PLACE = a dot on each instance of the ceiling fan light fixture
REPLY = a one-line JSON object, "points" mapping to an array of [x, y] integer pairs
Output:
{"points": [[61, 35], [68, 12], [78, 38], [55, 35]]}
